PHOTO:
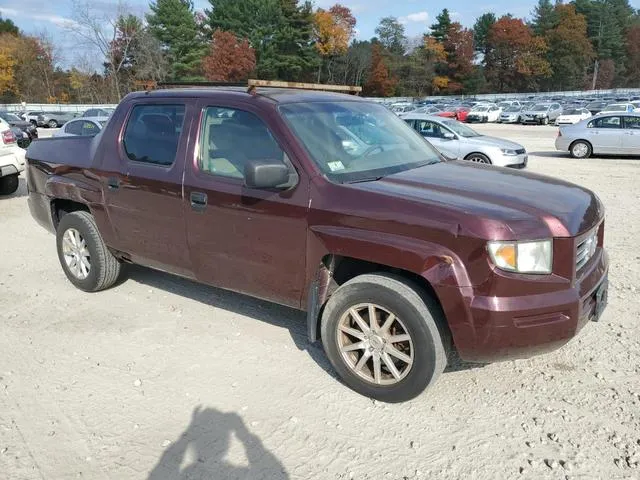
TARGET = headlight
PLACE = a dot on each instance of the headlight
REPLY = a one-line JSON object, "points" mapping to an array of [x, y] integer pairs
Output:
{"points": [[522, 257], [507, 151]]}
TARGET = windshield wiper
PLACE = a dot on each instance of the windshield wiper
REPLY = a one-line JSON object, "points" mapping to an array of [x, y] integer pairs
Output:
{"points": [[367, 179]]}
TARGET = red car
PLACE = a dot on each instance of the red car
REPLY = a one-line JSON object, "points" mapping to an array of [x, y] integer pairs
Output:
{"points": [[459, 113]]}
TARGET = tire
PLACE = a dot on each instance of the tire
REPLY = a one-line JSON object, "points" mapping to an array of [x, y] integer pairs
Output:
{"points": [[477, 157], [415, 318], [104, 269], [580, 149], [52, 124], [9, 184], [545, 121]]}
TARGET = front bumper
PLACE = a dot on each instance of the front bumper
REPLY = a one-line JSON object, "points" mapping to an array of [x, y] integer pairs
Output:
{"points": [[512, 161], [488, 328], [533, 120], [476, 119], [511, 119]]}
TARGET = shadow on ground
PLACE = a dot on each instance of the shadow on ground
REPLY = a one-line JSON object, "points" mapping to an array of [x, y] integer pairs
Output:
{"points": [[21, 192], [200, 451], [271, 313]]}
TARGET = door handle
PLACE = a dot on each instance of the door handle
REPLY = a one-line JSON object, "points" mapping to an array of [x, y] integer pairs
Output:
{"points": [[198, 201], [113, 183]]}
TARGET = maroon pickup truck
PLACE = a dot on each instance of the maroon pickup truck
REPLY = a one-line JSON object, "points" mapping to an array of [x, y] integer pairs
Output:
{"points": [[330, 204]]}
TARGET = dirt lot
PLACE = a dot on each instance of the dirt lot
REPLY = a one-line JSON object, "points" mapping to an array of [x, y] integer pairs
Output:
{"points": [[162, 378]]}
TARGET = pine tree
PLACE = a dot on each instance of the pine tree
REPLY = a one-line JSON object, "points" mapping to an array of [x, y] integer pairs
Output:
{"points": [[390, 33], [440, 29], [173, 23], [544, 17]]}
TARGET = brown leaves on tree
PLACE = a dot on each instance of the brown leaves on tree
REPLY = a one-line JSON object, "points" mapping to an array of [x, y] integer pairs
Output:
{"points": [[380, 82], [517, 57], [229, 59], [333, 29]]}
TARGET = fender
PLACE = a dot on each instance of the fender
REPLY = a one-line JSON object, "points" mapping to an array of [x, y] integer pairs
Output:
{"points": [[439, 266]]}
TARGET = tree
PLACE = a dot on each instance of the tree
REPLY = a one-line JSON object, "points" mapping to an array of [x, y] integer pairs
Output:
{"points": [[481, 30], [544, 17], [380, 82], [229, 59], [459, 56], [333, 31], [8, 84], [570, 51], [633, 55], [516, 58], [7, 26], [440, 29], [280, 32], [390, 34], [173, 23]]}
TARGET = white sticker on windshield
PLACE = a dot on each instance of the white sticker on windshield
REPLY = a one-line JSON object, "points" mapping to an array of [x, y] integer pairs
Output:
{"points": [[335, 166]]}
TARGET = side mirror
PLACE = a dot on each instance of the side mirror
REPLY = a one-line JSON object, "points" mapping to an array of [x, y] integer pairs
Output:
{"points": [[265, 174], [449, 136]]}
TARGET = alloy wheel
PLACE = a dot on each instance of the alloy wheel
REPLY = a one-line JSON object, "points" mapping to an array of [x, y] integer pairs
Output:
{"points": [[375, 344], [76, 254]]}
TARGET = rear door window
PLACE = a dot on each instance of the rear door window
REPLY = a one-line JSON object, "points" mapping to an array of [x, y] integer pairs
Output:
{"points": [[73, 128], [632, 123], [606, 122], [89, 128], [153, 132]]}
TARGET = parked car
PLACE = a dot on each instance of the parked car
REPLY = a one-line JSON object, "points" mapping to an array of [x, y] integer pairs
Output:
{"points": [[430, 109], [484, 113], [28, 132], [604, 134], [400, 109], [84, 126], [542, 113], [31, 116], [573, 115], [462, 112], [12, 159], [397, 255], [618, 108], [98, 112], [596, 107], [55, 119], [508, 103], [456, 140], [510, 115]]}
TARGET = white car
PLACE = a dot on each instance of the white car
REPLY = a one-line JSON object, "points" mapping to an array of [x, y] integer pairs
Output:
{"points": [[483, 113], [84, 127], [618, 108], [572, 116], [11, 160]]}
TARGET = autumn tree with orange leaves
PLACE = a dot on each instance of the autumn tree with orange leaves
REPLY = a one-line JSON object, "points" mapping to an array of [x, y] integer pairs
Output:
{"points": [[229, 59], [380, 83], [333, 30], [516, 60]]}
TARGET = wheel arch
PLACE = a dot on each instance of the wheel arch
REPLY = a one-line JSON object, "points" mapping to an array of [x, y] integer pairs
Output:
{"points": [[469, 155]]}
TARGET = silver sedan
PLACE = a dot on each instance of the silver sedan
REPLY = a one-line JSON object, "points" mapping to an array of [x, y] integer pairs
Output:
{"points": [[84, 126], [457, 140], [606, 134]]}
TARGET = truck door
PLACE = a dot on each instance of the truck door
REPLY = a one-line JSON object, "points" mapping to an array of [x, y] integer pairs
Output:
{"points": [[242, 239], [144, 197]]}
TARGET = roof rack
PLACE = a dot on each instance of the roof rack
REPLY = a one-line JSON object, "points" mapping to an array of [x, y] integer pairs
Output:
{"points": [[252, 85]]}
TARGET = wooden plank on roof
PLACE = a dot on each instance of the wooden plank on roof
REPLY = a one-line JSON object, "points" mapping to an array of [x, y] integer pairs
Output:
{"points": [[304, 86]]}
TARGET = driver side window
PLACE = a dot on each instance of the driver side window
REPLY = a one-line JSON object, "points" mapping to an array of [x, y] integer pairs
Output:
{"points": [[229, 138], [429, 129]]}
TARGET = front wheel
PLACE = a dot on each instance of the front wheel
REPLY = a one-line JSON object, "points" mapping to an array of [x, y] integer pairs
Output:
{"points": [[52, 124], [9, 184], [478, 158], [382, 337], [580, 149], [85, 259]]}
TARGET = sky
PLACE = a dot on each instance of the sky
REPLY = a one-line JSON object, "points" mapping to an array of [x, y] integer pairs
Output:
{"points": [[53, 16]]}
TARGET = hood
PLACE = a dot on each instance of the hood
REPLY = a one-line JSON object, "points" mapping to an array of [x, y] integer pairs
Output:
{"points": [[495, 141], [535, 112], [20, 124], [493, 203]]}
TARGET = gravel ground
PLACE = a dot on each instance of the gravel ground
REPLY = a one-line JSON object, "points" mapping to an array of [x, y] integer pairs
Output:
{"points": [[161, 378]]}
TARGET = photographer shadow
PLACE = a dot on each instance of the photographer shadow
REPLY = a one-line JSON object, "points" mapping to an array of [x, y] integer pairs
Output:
{"points": [[200, 451]]}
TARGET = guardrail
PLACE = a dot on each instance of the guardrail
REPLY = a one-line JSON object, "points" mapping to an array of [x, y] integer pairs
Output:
{"points": [[49, 107]]}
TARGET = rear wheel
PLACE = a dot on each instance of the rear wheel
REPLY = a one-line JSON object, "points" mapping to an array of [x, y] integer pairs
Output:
{"points": [[85, 259], [52, 124], [382, 338], [9, 184], [580, 149], [478, 158]]}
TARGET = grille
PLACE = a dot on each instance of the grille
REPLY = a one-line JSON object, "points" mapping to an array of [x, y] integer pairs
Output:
{"points": [[520, 151], [585, 250]]}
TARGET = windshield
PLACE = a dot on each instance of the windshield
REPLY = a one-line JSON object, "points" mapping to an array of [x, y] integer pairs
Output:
{"points": [[571, 111], [596, 105], [354, 141], [616, 108], [540, 107], [480, 108], [512, 109], [10, 117], [460, 129]]}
